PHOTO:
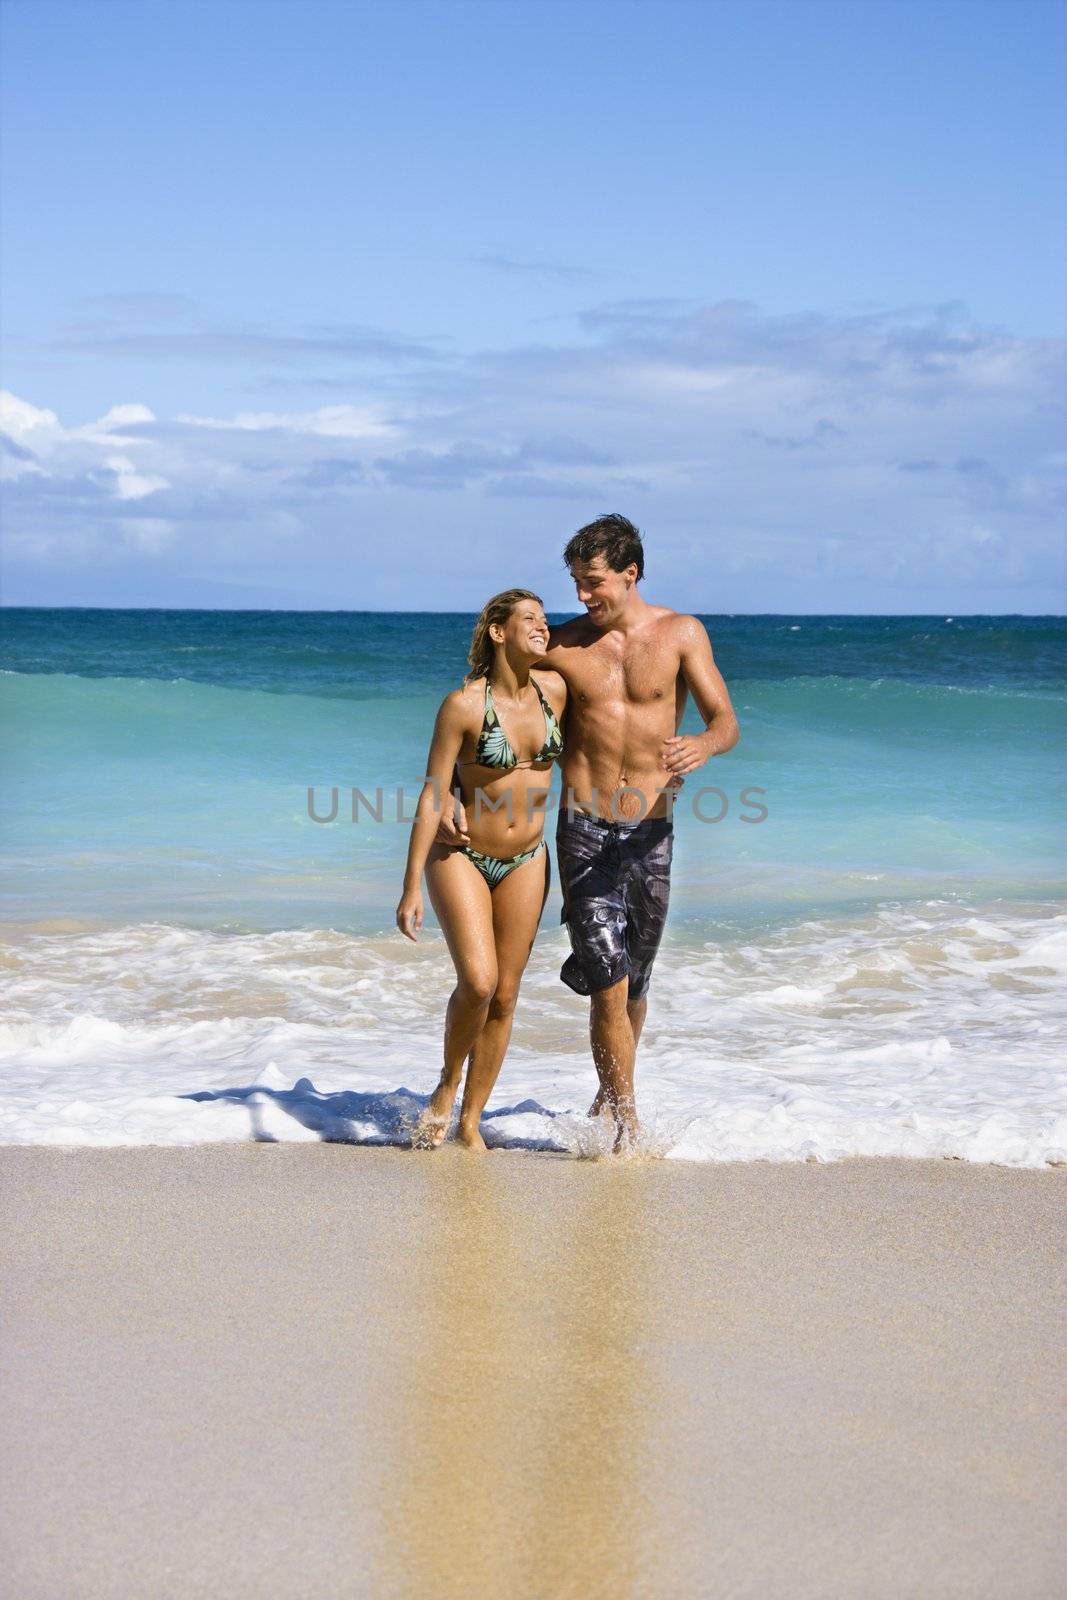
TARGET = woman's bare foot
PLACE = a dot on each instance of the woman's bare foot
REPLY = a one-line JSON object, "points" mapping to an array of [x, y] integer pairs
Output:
{"points": [[432, 1126], [429, 1132], [469, 1135]]}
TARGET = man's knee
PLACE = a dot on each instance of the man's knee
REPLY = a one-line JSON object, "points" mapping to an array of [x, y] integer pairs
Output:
{"points": [[609, 1002]]}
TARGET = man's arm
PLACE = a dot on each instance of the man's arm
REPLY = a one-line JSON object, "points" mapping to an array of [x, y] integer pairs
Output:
{"points": [[559, 636], [705, 682]]}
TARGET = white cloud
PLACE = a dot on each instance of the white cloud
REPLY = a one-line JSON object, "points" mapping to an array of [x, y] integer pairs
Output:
{"points": [[131, 484], [907, 449], [330, 422], [19, 419], [120, 416]]}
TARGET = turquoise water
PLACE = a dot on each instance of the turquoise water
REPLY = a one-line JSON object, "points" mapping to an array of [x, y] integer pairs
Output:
{"points": [[157, 765], [875, 968]]}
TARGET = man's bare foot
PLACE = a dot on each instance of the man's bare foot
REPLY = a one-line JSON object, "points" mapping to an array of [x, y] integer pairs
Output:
{"points": [[469, 1135], [432, 1126], [626, 1129], [599, 1106]]}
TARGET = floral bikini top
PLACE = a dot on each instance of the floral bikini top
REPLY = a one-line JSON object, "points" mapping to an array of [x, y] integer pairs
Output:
{"points": [[494, 748]]}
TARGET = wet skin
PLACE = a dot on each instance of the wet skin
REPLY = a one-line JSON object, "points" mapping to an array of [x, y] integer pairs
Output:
{"points": [[489, 933], [629, 668]]}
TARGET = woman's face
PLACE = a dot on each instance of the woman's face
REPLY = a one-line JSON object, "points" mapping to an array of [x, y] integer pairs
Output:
{"points": [[526, 630]]}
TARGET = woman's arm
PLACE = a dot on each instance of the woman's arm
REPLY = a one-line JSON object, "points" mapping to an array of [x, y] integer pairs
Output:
{"points": [[445, 746], [452, 826]]}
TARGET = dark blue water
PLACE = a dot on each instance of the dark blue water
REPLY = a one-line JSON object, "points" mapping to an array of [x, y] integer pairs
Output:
{"points": [[356, 654]]}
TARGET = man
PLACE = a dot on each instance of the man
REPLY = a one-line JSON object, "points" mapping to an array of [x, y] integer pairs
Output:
{"points": [[629, 667]]}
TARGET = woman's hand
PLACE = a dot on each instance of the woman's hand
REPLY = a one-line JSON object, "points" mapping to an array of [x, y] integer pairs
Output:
{"points": [[409, 914]]}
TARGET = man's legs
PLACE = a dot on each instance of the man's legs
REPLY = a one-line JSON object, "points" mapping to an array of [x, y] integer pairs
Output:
{"points": [[636, 1011], [616, 884], [611, 1036], [644, 883]]}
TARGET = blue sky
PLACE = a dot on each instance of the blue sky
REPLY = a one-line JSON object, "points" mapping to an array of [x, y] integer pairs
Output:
{"points": [[371, 305]]}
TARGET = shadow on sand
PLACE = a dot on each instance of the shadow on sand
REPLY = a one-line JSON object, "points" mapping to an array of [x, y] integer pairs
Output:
{"points": [[349, 1117]]}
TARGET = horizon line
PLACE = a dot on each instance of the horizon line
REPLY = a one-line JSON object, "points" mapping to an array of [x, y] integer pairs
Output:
{"points": [[387, 611]]}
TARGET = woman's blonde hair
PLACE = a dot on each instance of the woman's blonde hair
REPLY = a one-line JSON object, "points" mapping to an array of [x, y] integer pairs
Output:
{"points": [[498, 609]]}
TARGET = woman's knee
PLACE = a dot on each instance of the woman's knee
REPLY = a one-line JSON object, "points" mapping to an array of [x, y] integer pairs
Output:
{"points": [[477, 987], [504, 999]]}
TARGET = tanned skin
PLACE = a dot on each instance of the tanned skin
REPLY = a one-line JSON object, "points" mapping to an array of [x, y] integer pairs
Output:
{"points": [[629, 668], [489, 933]]}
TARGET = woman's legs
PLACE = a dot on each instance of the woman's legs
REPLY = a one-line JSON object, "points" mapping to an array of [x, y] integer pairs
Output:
{"points": [[516, 911], [463, 905]]}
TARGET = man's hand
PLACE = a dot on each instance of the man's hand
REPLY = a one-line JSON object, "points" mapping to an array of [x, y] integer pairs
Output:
{"points": [[685, 753], [452, 830]]}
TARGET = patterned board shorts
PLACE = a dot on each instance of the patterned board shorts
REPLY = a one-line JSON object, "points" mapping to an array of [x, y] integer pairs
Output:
{"points": [[616, 880]]}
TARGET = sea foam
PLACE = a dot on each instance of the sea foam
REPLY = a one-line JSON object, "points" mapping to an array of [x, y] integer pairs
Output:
{"points": [[930, 1030]]}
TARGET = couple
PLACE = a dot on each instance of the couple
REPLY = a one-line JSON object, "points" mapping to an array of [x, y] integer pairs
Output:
{"points": [[618, 678]]}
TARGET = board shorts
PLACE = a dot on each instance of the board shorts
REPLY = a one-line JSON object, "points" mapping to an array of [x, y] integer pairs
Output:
{"points": [[616, 880]]}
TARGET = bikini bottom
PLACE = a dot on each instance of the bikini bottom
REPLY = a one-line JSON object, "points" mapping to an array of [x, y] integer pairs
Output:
{"points": [[494, 869]]}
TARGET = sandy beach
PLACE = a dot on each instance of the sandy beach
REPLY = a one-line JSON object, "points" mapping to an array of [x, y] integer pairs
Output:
{"points": [[272, 1370]]}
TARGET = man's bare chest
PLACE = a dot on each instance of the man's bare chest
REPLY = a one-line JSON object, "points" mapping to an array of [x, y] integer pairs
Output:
{"points": [[639, 675]]}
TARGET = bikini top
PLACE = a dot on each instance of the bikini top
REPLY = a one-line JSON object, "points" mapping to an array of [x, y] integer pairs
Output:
{"points": [[494, 748]]}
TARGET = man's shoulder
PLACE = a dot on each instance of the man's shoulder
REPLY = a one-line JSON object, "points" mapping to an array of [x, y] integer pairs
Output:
{"points": [[681, 625], [677, 627], [575, 631], [568, 642], [548, 677], [669, 614]]}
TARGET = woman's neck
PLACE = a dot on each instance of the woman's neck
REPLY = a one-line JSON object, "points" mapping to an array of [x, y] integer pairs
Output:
{"points": [[511, 681]]}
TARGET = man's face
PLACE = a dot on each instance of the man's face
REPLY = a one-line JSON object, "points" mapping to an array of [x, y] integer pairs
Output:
{"points": [[600, 590]]}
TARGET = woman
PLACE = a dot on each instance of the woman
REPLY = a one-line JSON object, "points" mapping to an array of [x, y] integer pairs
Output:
{"points": [[501, 730]]}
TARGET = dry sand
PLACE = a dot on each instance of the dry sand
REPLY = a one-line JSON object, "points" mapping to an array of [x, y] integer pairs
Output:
{"points": [[319, 1371]]}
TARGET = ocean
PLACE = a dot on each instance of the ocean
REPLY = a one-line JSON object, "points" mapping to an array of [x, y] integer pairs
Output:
{"points": [[868, 929]]}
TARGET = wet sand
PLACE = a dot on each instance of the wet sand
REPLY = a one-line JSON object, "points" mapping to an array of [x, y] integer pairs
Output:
{"points": [[314, 1370]]}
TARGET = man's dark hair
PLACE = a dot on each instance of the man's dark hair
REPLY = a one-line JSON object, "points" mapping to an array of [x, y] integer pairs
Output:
{"points": [[611, 536]]}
